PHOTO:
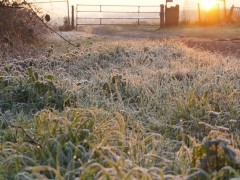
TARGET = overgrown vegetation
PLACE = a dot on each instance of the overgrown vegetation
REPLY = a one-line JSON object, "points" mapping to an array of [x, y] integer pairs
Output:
{"points": [[20, 26], [146, 109]]}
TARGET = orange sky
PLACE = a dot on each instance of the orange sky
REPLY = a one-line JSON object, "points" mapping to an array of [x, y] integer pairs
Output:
{"points": [[60, 9], [144, 2]]}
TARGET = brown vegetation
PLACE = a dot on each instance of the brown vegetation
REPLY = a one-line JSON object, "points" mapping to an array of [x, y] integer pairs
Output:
{"points": [[19, 27]]}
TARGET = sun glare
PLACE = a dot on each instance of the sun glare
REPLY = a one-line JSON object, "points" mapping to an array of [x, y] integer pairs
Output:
{"points": [[208, 4]]}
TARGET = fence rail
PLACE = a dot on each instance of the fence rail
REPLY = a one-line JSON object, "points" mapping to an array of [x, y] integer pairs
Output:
{"points": [[104, 9], [236, 13]]}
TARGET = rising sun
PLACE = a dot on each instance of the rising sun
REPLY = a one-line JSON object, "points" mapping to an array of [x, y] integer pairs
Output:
{"points": [[208, 4]]}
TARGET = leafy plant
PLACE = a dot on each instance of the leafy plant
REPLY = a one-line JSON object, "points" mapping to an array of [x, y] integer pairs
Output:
{"points": [[214, 153]]}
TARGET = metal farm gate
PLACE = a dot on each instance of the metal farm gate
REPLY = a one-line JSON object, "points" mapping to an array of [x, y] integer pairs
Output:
{"points": [[117, 14]]}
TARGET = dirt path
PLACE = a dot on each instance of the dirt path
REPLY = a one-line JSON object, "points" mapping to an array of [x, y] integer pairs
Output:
{"points": [[223, 40], [213, 40], [224, 47]]}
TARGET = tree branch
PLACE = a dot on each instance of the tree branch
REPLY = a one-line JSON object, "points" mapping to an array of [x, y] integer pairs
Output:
{"points": [[12, 7], [20, 127]]}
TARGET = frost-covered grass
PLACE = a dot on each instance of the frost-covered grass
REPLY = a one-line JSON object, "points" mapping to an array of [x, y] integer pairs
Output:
{"points": [[144, 109]]}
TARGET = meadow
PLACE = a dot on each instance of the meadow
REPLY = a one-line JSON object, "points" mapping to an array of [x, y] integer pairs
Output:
{"points": [[120, 109]]}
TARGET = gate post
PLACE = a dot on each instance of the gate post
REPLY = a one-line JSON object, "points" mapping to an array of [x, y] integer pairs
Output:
{"points": [[76, 15], [162, 16], [199, 14], [225, 11], [72, 17], [138, 14]]}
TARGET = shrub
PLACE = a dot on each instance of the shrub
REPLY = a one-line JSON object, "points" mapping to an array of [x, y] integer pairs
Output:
{"points": [[19, 26], [66, 25]]}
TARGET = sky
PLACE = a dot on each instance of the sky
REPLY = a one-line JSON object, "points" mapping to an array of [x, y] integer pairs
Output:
{"points": [[182, 3], [145, 2], [60, 9]]}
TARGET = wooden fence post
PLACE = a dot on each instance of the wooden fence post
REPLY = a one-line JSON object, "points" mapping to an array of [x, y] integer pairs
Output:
{"points": [[72, 17], [68, 14], [162, 16], [225, 11], [138, 14], [199, 14]]}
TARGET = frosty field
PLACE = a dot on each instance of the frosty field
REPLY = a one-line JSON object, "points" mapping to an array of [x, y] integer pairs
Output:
{"points": [[120, 108]]}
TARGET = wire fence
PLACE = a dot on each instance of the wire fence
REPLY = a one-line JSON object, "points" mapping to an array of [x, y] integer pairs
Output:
{"points": [[197, 12], [236, 14]]}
